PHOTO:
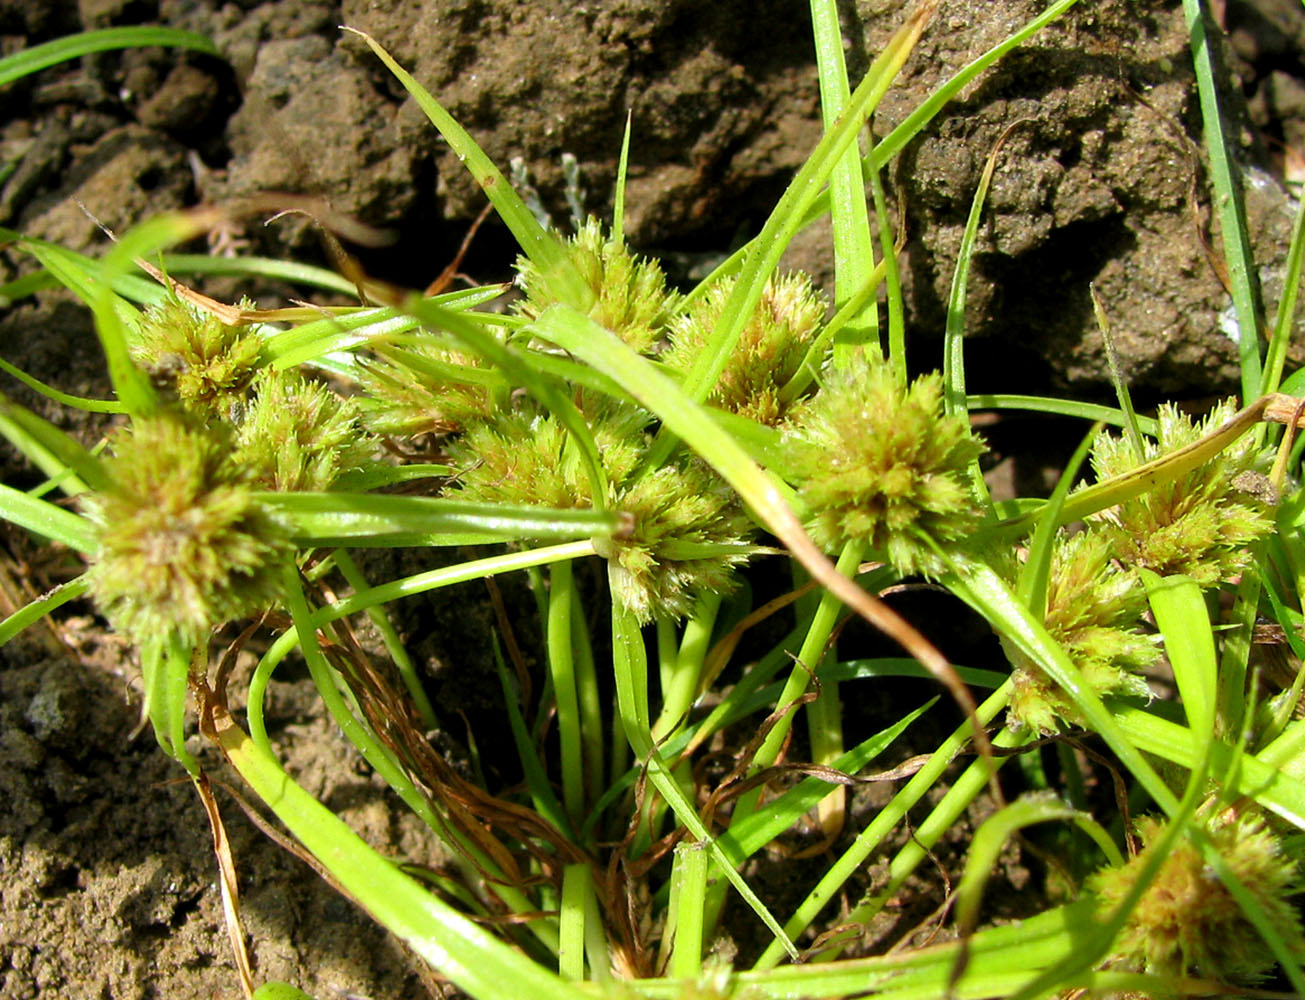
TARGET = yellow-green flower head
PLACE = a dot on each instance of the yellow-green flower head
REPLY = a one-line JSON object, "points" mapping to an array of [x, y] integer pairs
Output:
{"points": [[1199, 524], [1093, 610], [630, 294], [184, 546], [773, 343], [879, 461], [423, 390], [686, 528], [298, 435], [205, 363], [687, 533], [1187, 923], [528, 457]]}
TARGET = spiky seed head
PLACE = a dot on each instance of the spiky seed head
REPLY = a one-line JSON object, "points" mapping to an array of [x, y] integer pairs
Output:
{"points": [[298, 435], [207, 365], [688, 532], [879, 461], [528, 457], [1199, 524], [422, 390], [1093, 609], [184, 546], [630, 294], [773, 343], [1187, 923]]}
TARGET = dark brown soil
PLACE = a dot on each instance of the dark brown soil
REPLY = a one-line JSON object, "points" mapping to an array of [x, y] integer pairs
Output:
{"points": [[108, 886]]}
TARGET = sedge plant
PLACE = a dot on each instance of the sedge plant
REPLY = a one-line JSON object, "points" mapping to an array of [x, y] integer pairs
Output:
{"points": [[674, 438]]}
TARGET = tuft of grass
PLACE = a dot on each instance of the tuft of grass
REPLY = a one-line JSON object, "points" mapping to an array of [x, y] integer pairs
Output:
{"points": [[605, 417]]}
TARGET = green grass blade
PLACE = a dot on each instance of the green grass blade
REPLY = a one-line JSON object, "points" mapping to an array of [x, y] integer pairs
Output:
{"points": [[1181, 616], [348, 519], [259, 267], [483, 966], [1280, 339], [1036, 571], [543, 248], [917, 120], [954, 400], [62, 398], [39, 57], [745, 838], [53, 451], [1227, 203], [30, 614], [1063, 407], [44, 518], [854, 258]]}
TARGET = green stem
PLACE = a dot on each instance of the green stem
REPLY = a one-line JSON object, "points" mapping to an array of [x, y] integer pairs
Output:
{"points": [[808, 659], [591, 706], [561, 666], [868, 839], [679, 694], [689, 892]]}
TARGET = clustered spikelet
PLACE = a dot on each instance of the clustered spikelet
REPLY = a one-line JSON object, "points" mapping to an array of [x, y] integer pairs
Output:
{"points": [[1093, 610], [184, 545], [297, 435], [528, 457], [1187, 923], [206, 364], [687, 528], [879, 461], [688, 532], [423, 390], [1198, 524], [630, 294], [770, 350]]}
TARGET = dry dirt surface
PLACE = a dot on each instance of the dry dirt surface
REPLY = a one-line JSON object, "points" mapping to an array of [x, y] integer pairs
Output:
{"points": [[107, 882]]}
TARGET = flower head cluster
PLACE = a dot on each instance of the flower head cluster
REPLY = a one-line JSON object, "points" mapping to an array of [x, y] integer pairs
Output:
{"points": [[630, 294], [184, 545], [773, 343], [1187, 923], [1093, 610], [1198, 524], [687, 528], [879, 461], [429, 389], [206, 364], [688, 533], [298, 435]]}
